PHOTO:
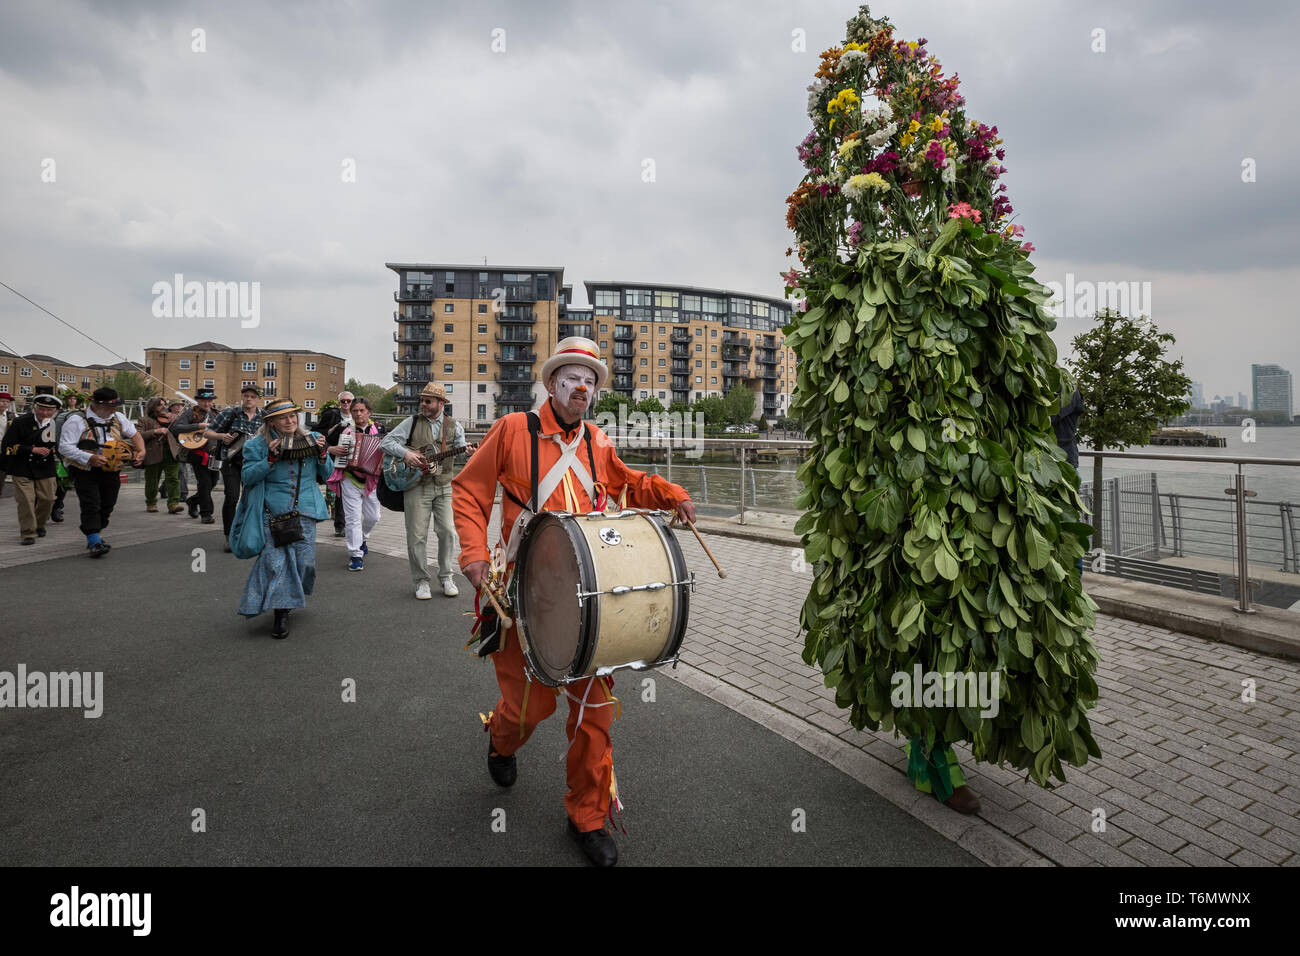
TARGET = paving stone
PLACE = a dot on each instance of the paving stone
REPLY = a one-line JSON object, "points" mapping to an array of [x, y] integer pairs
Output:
{"points": [[1249, 841], [1061, 854], [1246, 858], [1096, 846], [1148, 855], [1202, 837]]}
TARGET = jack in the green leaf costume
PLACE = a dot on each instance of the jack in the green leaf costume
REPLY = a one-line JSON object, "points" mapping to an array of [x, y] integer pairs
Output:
{"points": [[942, 520]]}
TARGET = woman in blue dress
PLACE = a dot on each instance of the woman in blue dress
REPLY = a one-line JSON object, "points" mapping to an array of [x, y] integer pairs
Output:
{"points": [[279, 457]]}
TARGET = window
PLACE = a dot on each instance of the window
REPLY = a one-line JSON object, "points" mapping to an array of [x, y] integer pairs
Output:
{"points": [[482, 350], [449, 387], [209, 365], [449, 327], [663, 362], [248, 367], [603, 328], [246, 382], [450, 284], [699, 364], [666, 300], [4, 369], [482, 369], [309, 367], [699, 347], [482, 310], [448, 347], [209, 383], [185, 365], [699, 379], [448, 368], [25, 372], [645, 378], [482, 390], [662, 379], [713, 365], [663, 395], [310, 386], [662, 346], [713, 333], [637, 297], [309, 403], [644, 393], [449, 307], [183, 384], [269, 369], [482, 329], [645, 362], [24, 389], [713, 380], [715, 350], [482, 412], [691, 303], [607, 299], [604, 344], [662, 330], [644, 346], [645, 328], [62, 378]]}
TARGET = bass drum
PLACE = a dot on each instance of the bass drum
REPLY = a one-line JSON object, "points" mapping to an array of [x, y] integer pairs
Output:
{"points": [[595, 593]]}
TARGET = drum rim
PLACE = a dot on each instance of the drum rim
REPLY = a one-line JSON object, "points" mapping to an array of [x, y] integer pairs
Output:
{"points": [[589, 612]]}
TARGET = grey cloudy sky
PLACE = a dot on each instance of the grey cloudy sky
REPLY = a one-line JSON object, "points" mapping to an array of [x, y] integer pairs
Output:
{"points": [[226, 165]]}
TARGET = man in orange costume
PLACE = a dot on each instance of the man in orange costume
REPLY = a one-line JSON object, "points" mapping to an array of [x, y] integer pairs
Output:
{"points": [[572, 376]]}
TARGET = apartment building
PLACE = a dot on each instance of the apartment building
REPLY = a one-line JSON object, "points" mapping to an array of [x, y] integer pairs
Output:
{"points": [[24, 376], [309, 378], [483, 332]]}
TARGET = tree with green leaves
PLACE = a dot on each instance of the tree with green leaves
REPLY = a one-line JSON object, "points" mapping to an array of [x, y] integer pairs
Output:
{"points": [[738, 405], [712, 408], [941, 521], [130, 386], [682, 409], [650, 406], [1129, 389], [609, 402]]}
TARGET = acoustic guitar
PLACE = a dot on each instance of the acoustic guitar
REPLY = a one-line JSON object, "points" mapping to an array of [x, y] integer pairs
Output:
{"points": [[399, 476]]}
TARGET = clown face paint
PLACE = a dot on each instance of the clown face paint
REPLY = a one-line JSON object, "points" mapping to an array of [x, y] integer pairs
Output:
{"points": [[574, 390]]}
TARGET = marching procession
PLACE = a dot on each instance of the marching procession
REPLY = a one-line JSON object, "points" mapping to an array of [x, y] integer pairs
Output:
{"points": [[573, 517]]}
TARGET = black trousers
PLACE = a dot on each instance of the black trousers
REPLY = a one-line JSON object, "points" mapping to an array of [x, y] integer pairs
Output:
{"points": [[338, 513], [231, 485], [59, 494], [97, 491], [203, 496]]}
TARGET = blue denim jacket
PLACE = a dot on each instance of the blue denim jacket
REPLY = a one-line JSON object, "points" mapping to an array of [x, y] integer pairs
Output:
{"points": [[277, 480]]}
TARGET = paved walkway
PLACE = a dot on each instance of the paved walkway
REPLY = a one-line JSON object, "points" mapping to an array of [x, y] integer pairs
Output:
{"points": [[1190, 774]]}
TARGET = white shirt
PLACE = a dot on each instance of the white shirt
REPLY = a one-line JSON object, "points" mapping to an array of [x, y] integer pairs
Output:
{"points": [[75, 426]]}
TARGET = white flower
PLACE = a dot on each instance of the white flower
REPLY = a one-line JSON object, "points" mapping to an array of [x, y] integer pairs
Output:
{"points": [[881, 137], [949, 174], [848, 147], [849, 57]]}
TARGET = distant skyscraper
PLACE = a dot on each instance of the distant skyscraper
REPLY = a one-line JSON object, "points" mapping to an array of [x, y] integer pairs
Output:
{"points": [[1271, 385], [1241, 401], [1198, 395]]}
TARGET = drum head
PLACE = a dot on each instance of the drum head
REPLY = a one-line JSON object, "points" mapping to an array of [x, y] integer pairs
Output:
{"points": [[553, 623]]}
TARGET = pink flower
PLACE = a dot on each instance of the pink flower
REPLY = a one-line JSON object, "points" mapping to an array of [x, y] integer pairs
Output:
{"points": [[962, 210], [936, 155], [1027, 247]]}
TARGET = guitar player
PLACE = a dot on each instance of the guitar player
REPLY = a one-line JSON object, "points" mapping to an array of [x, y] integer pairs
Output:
{"points": [[229, 430], [202, 459]]}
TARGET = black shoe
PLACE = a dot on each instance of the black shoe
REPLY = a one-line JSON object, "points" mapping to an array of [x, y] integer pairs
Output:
{"points": [[29, 540], [40, 532], [56, 517], [280, 629], [504, 770], [597, 844], [194, 508], [339, 533], [208, 519], [99, 550]]}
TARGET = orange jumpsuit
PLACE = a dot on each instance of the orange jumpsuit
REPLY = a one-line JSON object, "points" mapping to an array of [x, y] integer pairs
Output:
{"points": [[504, 456]]}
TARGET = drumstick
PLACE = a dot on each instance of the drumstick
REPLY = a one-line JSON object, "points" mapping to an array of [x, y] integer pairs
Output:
{"points": [[506, 622], [721, 573]]}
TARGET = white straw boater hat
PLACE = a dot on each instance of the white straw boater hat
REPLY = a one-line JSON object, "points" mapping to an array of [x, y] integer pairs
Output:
{"points": [[576, 350]]}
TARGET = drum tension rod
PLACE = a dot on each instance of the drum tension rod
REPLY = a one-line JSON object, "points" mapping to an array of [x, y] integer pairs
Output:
{"points": [[628, 589]]}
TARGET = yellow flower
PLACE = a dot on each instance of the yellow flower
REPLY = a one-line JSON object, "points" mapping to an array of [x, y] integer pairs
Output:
{"points": [[913, 126], [936, 124], [848, 147], [844, 101], [908, 139]]}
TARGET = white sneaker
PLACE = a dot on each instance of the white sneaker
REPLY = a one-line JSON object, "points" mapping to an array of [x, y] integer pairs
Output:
{"points": [[422, 592], [449, 588]]}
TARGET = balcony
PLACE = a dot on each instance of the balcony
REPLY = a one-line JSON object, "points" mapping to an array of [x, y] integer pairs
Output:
{"points": [[414, 334], [514, 376], [681, 383], [518, 293], [681, 335], [624, 333], [681, 367], [414, 315], [414, 355], [517, 336], [515, 396], [521, 358], [412, 377], [681, 352], [622, 364], [623, 351], [770, 409], [623, 383], [769, 373], [734, 353], [414, 293], [567, 329], [517, 316], [768, 357]]}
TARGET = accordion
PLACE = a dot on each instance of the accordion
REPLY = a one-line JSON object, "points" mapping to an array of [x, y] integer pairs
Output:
{"points": [[365, 458]]}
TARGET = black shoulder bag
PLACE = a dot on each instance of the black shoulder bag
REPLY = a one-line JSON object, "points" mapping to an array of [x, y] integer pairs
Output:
{"points": [[286, 529]]}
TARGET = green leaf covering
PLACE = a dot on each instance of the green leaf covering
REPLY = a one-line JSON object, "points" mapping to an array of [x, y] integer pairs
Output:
{"points": [[942, 521]]}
